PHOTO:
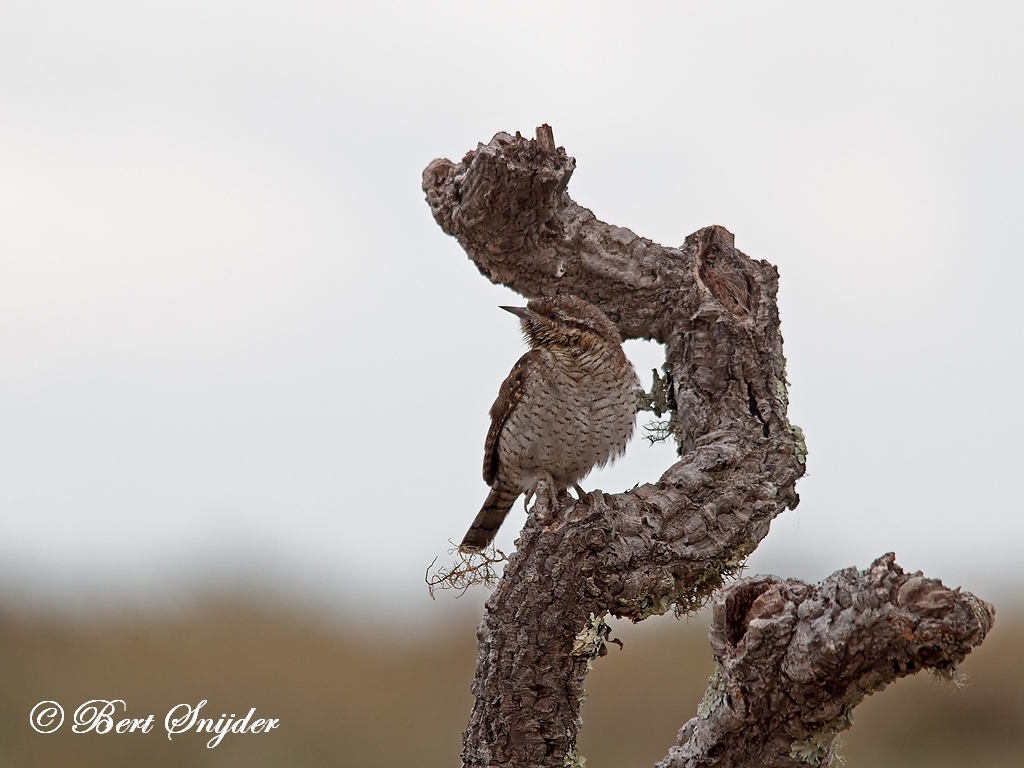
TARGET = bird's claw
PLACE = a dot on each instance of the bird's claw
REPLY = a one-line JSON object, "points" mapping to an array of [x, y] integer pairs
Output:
{"points": [[527, 498]]}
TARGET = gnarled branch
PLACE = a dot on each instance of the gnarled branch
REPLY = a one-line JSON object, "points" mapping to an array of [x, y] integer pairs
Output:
{"points": [[660, 546]]}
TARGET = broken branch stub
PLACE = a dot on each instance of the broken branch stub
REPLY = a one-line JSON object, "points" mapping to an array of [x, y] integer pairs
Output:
{"points": [[793, 660]]}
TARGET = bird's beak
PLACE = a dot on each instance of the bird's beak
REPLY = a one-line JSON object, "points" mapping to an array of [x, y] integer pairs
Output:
{"points": [[523, 313]]}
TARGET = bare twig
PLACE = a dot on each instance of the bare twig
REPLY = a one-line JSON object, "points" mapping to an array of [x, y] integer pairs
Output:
{"points": [[468, 570]]}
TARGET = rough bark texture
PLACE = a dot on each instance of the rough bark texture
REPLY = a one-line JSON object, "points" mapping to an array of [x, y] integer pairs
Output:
{"points": [[669, 544], [794, 660]]}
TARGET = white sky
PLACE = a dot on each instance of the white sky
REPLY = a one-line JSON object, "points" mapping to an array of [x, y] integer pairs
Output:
{"points": [[234, 345]]}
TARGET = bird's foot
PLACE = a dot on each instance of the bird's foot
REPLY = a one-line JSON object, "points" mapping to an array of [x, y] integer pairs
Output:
{"points": [[546, 493]]}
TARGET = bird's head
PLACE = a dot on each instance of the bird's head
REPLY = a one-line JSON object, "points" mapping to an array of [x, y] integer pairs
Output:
{"points": [[565, 321]]}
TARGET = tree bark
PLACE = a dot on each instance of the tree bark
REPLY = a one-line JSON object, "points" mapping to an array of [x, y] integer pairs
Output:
{"points": [[794, 660], [670, 544]]}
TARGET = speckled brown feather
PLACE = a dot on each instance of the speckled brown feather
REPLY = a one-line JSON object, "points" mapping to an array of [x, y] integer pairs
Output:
{"points": [[509, 395]]}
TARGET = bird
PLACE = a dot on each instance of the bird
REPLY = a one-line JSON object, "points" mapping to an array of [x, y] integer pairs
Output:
{"points": [[569, 405]]}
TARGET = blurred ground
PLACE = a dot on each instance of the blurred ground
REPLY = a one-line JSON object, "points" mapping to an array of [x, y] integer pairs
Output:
{"points": [[348, 698]]}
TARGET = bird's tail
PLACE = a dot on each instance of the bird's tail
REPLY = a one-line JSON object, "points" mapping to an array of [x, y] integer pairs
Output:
{"points": [[489, 519]]}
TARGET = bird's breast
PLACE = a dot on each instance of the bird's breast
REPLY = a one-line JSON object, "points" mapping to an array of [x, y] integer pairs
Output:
{"points": [[579, 415]]}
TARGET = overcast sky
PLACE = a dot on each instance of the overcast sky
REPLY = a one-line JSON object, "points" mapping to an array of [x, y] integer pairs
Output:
{"points": [[234, 345]]}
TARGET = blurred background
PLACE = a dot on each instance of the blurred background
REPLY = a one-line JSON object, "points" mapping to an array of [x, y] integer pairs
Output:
{"points": [[244, 377]]}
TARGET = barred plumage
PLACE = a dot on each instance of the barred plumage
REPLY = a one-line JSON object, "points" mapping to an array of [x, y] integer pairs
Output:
{"points": [[567, 406]]}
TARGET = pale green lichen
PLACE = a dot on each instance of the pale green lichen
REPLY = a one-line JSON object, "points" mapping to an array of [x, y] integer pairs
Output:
{"points": [[714, 695], [819, 749], [951, 675], [660, 400], [738, 559], [645, 606], [573, 759], [801, 444], [837, 745], [782, 392], [654, 606], [590, 639], [813, 751]]}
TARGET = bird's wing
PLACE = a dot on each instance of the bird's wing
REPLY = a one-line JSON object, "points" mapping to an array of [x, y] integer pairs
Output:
{"points": [[511, 392]]}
